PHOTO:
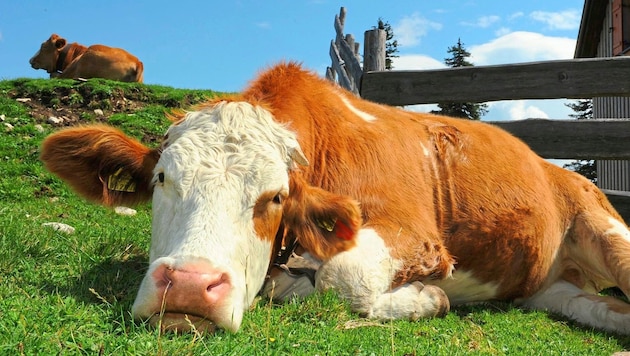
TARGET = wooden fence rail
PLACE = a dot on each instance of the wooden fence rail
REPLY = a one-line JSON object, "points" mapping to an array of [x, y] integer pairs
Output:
{"points": [[571, 79], [573, 139]]}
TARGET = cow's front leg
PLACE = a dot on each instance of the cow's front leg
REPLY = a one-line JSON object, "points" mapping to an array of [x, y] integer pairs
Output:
{"points": [[363, 276], [413, 301]]}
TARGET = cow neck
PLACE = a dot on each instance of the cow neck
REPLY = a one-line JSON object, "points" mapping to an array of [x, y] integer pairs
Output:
{"points": [[61, 58]]}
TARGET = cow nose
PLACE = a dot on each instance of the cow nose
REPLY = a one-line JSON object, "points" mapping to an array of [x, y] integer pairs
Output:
{"points": [[190, 292]]}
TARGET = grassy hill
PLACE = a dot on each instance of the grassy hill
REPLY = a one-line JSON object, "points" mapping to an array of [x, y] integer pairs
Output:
{"points": [[72, 293]]}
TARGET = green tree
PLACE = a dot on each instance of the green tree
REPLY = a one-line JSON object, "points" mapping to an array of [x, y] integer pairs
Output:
{"points": [[472, 111], [583, 110], [391, 45]]}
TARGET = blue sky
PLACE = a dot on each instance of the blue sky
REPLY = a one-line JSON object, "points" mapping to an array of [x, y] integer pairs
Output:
{"points": [[221, 45]]}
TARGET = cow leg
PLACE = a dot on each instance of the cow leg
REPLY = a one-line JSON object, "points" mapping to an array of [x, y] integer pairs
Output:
{"points": [[363, 276], [598, 247], [595, 255], [562, 297], [413, 301]]}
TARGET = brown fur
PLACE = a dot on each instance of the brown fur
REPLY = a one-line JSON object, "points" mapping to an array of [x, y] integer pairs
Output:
{"points": [[78, 61]]}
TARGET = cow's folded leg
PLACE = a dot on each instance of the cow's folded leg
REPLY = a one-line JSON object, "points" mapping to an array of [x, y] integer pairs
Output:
{"points": [[597, 311], [410, 301]]}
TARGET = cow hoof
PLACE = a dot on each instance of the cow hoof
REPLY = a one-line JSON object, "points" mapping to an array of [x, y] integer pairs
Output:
{"points": [[437, 296]]}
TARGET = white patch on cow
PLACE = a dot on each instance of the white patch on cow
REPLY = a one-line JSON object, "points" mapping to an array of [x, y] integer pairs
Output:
{"points": [[219, 161], [361, 273], [362, 114], [425, 150], [600, 312], [463, 288], [618, 228], [363, 276]]}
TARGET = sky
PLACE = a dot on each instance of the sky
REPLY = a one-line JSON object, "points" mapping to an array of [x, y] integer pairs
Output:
{"points": [[222, 45]]}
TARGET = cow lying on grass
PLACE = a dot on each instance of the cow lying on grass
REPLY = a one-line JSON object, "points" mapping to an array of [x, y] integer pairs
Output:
{"points": [[406, 212], [73, 60]]}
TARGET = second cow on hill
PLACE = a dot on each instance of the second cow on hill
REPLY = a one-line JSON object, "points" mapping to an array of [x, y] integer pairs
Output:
{"points": [[73, 60]]}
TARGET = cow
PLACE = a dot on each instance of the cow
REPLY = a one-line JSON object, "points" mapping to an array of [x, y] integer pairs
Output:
{"points": [[73, 60], [406, 214]]}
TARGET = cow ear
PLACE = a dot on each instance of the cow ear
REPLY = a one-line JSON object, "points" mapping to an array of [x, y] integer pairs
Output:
{"points": [[102, 164], [60, 43], [325, 223], [298, 156]]}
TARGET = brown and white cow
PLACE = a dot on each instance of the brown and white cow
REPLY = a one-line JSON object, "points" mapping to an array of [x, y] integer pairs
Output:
{"points": [[404, 211], [72, 60]]}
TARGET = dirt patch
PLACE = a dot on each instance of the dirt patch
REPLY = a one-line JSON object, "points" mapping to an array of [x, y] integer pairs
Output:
{"points": [[67, 106]]}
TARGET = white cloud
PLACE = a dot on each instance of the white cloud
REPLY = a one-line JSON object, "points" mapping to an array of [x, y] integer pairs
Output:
{"points": [[483, 22], [564, 20], [416, 62], [410, 29], [515, 15], [522, 46], [502, 31], [264, 25], [519, 110]]}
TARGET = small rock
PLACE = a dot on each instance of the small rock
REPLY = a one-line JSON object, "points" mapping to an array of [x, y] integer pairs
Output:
{"points": [[61, 227], [98, 112], [23, 100], [39, 128], [8, 126], [2, 117], [123, 210], [54, 120]]}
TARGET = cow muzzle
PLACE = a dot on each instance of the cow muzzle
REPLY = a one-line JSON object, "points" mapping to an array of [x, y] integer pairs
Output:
{"points": [[190, 297]]}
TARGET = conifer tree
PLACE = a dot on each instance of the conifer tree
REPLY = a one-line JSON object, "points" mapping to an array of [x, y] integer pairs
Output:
{"points": [[472, 111], [391, 45], [583, 110]]}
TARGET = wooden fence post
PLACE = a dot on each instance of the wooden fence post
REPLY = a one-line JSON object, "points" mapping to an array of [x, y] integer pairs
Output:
{"points": [[374, 50]]}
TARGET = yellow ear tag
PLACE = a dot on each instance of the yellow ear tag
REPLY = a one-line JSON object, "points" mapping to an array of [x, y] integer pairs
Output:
{"points": [[328, 225], [121, 181]]}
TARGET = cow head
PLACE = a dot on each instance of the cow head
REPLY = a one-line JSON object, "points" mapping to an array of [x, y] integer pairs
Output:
{"points": [[48, 54], [221, 190]]}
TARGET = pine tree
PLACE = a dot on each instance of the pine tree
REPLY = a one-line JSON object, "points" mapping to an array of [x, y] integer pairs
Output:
{"points": [[391, 45], [583, 111], [472, 111]]}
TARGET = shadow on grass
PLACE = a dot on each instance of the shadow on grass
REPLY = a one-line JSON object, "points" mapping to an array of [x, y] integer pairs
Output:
{"points": [[112, 281], [472, 311]]}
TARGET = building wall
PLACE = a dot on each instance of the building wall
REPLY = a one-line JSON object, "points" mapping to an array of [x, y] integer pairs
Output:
{"points": [[611, 174]]}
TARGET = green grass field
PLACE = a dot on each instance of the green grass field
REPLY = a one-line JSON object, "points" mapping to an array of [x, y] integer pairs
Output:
{"points": [[72, 293]]}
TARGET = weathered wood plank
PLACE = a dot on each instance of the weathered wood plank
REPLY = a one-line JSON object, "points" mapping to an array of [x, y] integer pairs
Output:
{"points": [[575, 78], [338, 66], [353, 67], [573, 139]]}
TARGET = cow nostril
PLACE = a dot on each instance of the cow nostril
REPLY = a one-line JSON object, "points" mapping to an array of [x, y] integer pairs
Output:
{"points": [[216, 284]]}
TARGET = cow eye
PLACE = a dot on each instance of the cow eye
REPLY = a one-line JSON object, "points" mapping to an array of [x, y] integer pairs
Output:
{"points": [[160, 177], [277, 199]]}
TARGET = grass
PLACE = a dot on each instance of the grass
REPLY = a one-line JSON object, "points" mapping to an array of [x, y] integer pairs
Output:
{"points": [[72, 294]]}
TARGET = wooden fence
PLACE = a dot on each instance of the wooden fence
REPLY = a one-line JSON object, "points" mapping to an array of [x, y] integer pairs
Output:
{"points": [[552, 139]]}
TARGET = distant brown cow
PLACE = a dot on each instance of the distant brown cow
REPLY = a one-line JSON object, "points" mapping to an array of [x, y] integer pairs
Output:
{"points": [[62, 60]]}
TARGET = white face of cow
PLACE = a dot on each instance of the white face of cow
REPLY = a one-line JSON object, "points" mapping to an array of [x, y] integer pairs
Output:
{"points": [[219, 185]]}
